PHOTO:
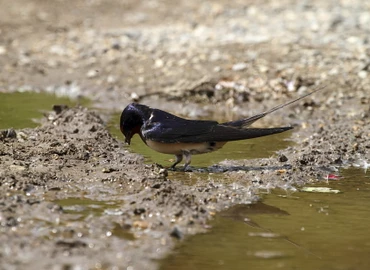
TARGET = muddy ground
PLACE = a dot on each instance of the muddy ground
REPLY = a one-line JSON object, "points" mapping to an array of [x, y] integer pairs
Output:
{"points": [[195, 59]]}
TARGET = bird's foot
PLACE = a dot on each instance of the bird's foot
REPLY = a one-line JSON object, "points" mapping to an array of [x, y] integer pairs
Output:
{"points": [[184, 169], [172, 169], [188, 169]]}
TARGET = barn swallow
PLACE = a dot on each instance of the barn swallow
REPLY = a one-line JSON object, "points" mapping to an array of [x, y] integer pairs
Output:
{"points": [[170, 134]]}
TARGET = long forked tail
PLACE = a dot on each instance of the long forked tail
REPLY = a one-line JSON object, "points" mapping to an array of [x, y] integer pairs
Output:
{"points": [[251, 133], [242, 123], [223, 133]]}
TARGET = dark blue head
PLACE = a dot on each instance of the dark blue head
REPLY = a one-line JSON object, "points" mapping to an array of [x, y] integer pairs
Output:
{"points": [[132, 119]]}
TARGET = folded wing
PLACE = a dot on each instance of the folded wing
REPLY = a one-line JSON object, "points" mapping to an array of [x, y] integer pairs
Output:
{"points": [[168, 128]]}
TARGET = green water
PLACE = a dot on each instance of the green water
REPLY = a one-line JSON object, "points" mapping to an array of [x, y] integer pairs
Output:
{"points": [[19, 110], [82, 208], [296, 231], [85, 206], [310, 231]]}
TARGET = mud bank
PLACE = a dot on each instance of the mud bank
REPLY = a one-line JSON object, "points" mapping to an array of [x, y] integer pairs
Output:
{"points": [[72, 155], [72, 196], [140, 212]]}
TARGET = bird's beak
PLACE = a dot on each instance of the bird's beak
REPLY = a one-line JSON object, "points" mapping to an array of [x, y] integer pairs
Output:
{"points": [[128, 137], [128, 140]]}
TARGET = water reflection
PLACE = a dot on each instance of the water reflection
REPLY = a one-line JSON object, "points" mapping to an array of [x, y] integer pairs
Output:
{"points": [[298, 231]]}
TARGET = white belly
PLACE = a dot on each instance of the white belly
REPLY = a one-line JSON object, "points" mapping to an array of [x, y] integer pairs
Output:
{"points": [[179, 148]]}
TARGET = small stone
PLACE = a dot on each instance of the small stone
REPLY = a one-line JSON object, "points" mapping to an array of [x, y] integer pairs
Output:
{"points": [[217, 69], [52, 63], [91, 73], [108, 170], [283, 158], [139, 211], [116, 46], [58, 50], [141, 224], [11, 222], [17, 168], [239, 66], [163, 172], [362, 74], [111, 79], [182, 62], [134, 97], [55, 189], [282, 171], [263, 69], [176, 233], [93, 128], [10, 133], [21, 136], [59, 108], [158, 63], [141, 79], [2, 50], [156, 186]]}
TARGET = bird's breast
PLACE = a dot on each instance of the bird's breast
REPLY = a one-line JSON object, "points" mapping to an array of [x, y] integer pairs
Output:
{"points": [[179, 148]]}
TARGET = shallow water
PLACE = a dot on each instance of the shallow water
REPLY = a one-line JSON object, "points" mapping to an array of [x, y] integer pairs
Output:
{"points": [[291, 231], [301, 231], [20, 110], [81, 208], [85, 206]]}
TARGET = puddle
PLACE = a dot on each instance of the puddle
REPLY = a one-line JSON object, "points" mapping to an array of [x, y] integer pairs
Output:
{"points": [[81, 208], [19, 110], [301, 230], [246, 149], [85, 207], [122, 233]]}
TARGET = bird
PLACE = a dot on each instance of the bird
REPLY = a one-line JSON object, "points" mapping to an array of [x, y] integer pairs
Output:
{"points": [[169, 134]]}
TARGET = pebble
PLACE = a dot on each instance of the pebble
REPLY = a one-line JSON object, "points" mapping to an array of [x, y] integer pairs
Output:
{"points": [[239, 66], [9, 133], [283, 158], [217, 69], [91, 73], [158, 63], [111, 79], [176, 233], [21, 136], [58, 50], [263, 69], [362, 74], [2, 50], [134, 96], [141, 224], [17, 168]]}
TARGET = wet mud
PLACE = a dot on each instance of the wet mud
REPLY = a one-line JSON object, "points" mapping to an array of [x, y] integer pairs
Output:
{"points": [[73, 196], [72, 161]]}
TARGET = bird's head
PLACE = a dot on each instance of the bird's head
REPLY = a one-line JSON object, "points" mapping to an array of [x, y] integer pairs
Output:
{"points": [[132, 119]]}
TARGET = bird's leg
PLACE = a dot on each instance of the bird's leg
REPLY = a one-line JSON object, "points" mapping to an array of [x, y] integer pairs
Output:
{"points": [[178, 160], [187, 156]]}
